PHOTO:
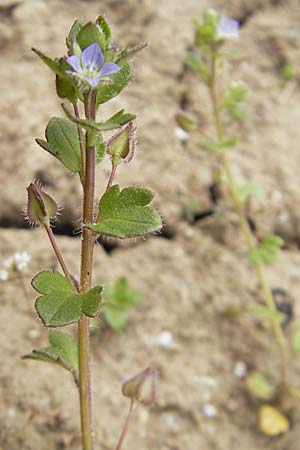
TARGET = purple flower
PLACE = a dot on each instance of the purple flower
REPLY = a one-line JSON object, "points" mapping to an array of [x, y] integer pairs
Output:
{"points": [[228, 28], [90, 67]]}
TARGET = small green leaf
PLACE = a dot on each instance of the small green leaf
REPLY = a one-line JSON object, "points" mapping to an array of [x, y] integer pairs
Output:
{"points": [[258, 385], [234, 102], [197, 65], [47, 282], [59, 309], [118, 81], [52, 64], [121, 295], [124, 213], [91, 301], [63, 351], [250, 189], [89, 34], [221, 147], [116, 317], [265, 313], [185, 121], [65, 87], [295, 337], [267, 250], [63, 143], [128, 53], [76, 27], [59, 304]]}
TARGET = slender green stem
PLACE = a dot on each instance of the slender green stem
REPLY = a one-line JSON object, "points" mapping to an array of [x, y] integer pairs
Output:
{"points": [[125, 428], [87, 247], [248, 235]]}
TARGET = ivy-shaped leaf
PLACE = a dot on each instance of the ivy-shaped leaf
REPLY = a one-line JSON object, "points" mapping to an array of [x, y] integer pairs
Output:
{"points": [[125, 214], [63, 143], [118, 81], [59, 304], [267, 250], [63, 351]]}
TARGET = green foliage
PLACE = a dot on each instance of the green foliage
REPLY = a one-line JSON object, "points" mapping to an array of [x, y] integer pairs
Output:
{"points": [[220, 147], [128, 53], [123, 213], [59, 304], [267, 250], [65, 87], [206, 30], [119, 80], [195, 63], [76, 27], [62, 141], [233, 104], [258, 385], [116, 302], [51, 63], [250, 189], [62, 351], [89, 34], [264, 312], [185, 121], [100, 147], [116, 121]]}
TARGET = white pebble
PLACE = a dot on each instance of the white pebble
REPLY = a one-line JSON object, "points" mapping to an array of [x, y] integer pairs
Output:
{"points": [[240, 369], [164, 339], [181, 134], [3, 275], [209, 411]]}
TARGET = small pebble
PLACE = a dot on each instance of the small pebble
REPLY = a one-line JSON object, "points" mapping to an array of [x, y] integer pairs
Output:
{"points": [[164, 339], [209, 411], [181, 134], [240, 369]]}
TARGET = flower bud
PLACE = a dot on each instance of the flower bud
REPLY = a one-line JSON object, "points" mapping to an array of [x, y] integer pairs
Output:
{"points": [[41, 207], [122, 145], [142, 387]]}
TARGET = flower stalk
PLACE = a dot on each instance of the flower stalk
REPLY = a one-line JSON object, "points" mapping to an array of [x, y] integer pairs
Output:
{"points": [[244, 225]]}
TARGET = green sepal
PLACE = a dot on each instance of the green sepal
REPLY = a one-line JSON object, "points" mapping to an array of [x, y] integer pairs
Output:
{"points": [[105, 28], [267, 250], [89, 34], [122, 144], [123, 213], [118, 82], [76, 27], [116, 121], [65, 87], [197, 65], [59, 304], [221, 147], [62, 141], [63, 351], [127, 54]]}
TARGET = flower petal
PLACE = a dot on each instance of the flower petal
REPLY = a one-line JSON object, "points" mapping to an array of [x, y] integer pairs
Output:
{"points": [[74, 62], [228, 28], [92, 81], [92, 56], [108, 68]]}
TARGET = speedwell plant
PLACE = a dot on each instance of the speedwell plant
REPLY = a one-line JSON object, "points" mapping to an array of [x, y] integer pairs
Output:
{"points": [[93, 72]]}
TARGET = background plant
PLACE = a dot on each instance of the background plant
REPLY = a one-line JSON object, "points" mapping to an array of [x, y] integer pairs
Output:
{"points": [[94, 71], [229, 108]]}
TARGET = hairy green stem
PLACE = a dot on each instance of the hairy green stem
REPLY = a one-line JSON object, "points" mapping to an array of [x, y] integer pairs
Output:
{"points": [[81, 141], [248, 235], [87, 248]]}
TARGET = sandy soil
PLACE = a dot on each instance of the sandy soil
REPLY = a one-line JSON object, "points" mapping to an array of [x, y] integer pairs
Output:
{"points": [[192, 274]]}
